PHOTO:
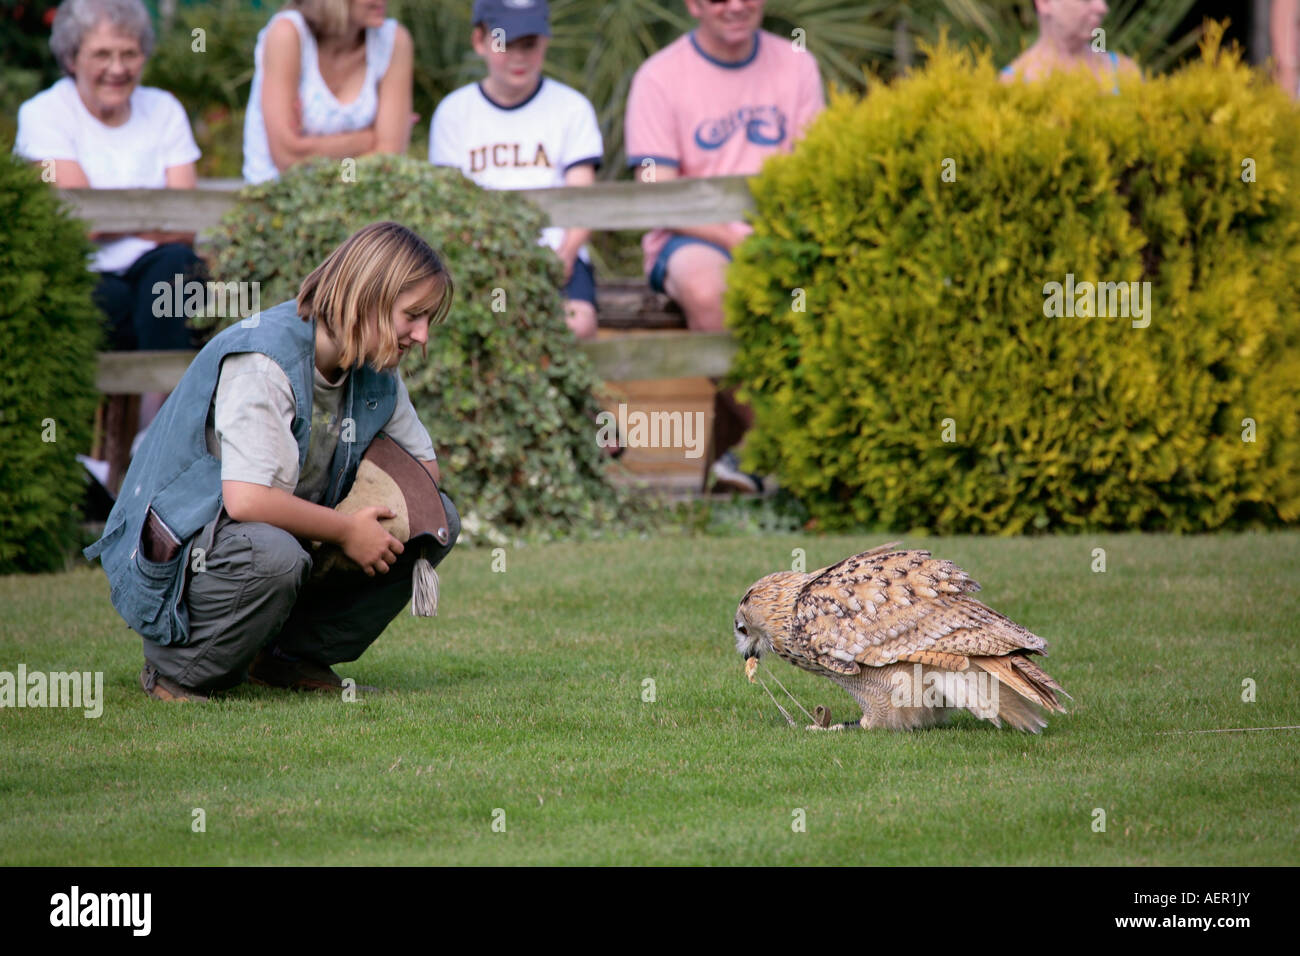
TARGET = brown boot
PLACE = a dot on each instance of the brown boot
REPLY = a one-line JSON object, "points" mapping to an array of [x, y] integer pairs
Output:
{"points": [[271, 670], [164, 688]]}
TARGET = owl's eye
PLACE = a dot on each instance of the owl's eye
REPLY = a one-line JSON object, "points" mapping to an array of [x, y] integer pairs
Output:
{"points": [[741, 628]]}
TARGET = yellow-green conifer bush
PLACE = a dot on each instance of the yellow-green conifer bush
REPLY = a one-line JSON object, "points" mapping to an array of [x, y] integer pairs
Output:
{"points": [[890, 307]]}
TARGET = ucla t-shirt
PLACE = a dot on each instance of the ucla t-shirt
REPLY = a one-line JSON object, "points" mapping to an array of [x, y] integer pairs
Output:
{"points": [[527, 146]]}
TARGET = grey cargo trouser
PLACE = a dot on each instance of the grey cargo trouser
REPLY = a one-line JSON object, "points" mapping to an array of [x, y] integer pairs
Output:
{"points": [[255, 589]]}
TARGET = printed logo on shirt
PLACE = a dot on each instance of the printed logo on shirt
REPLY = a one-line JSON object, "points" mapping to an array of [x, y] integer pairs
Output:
{"points": [[325, 425], [506, 156], [763, 126]]}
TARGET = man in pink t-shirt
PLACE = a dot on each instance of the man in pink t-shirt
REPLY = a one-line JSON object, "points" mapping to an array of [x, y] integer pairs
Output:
{"points": [[715, 102]]}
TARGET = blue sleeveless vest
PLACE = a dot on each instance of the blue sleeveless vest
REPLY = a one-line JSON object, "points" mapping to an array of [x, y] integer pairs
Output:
{"points": [[173, 473]]}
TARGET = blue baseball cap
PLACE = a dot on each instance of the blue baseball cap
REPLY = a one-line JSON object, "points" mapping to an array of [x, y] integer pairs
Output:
{"points": [[518, 18]]}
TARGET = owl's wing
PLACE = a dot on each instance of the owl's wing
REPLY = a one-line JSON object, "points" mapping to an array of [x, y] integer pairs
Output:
{"points": [[878, 609]]}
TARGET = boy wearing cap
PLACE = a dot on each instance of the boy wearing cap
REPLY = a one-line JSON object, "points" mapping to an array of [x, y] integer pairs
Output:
{"points": [[517, 129]]}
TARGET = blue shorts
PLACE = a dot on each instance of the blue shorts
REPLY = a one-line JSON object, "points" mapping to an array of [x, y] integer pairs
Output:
{"points": [[581, 284], [675, 242]]}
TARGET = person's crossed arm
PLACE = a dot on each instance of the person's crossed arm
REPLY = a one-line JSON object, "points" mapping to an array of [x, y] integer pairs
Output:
{"points": [[282, 65]]}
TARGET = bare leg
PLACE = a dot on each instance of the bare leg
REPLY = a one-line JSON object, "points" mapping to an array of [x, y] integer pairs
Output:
{"points": [[696, 280], [150, 402], [732, 418]]}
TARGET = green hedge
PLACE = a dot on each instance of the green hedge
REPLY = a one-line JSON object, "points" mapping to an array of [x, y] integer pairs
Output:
{"points": [[925, 298], [50, 330], [505, 390]]}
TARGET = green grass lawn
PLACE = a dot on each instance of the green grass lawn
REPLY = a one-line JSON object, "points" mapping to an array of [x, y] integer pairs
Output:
{"points": [[525, 695]]}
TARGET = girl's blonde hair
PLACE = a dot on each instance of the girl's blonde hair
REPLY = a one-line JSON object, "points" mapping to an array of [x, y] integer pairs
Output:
{"points": [[327, 18], [359, 283]]}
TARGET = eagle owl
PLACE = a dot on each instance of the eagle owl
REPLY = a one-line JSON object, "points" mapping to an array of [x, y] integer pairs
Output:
{"points": [[899, 631]]}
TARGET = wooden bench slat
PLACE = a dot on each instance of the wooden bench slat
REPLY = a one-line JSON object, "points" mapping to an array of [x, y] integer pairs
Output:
{"points": [[131, 373], [635, 205], [618, 205], [149, 210], [629, 304], [661, 355], [659, 321], [676, 354]]}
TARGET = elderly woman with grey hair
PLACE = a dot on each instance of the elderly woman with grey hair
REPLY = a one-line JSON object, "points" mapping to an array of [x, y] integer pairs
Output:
{"points": [[99, 128]]}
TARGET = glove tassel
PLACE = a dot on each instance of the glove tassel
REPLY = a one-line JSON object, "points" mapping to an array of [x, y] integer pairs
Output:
{"points": [[424, 589]]}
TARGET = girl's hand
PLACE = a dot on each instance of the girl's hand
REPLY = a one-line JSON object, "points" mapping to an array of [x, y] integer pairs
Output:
{"points": [[368, 544]]}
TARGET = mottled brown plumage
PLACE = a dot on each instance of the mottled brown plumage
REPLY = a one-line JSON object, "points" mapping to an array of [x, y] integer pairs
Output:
{"points": [[899, 631]]}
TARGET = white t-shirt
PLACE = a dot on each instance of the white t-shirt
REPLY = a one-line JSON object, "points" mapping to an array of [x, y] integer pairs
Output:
{"points": [[322, 113], [250, 426], [55, 124], [528, 146]]}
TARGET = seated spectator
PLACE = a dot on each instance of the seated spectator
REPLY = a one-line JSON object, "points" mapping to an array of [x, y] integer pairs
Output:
{"points": [[1065, 42], [1284, 44], [330, 78], [715, 102], [518, 129], [98, 128]]}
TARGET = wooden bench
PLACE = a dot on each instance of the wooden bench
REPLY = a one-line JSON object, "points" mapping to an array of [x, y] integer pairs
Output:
{"points": [[643, 344]]}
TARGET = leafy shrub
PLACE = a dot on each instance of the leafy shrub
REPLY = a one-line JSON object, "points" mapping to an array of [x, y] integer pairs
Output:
{"points": [[925, 304], [204, 57], [50, 330], [505, 391]]}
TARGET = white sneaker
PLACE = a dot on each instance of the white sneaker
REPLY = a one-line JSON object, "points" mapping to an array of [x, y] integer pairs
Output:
{"points": [[98, 469], [726, 473], [139, 437]]}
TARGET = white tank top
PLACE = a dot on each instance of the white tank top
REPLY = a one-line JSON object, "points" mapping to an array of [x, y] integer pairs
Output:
{"points": [[322, 114]]}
